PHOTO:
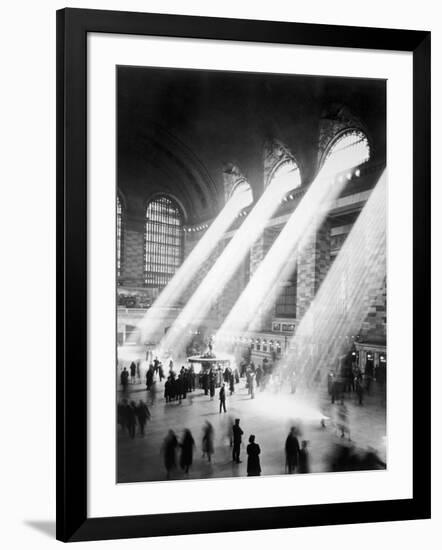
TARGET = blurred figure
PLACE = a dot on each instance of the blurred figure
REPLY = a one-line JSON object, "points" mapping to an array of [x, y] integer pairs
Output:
{"points": [[258, 375], [143, 414], [133, 370], [252, 385], [187, 446], [222, 398], [231, 383], [342, 422], [253, 463], [149, 376], [207, 443], [237, 438], [131, 418], [169, 452], [291, 451], [121, 414], [303, 459], [124, 379], [359, 389], [212, 384], [152, 394]]}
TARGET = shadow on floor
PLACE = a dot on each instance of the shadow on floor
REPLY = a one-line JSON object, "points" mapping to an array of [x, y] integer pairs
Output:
{"points": [[47, 527]]}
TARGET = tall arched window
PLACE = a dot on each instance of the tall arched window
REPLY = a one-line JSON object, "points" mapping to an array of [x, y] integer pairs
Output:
{"points": [[163, 241], [351, 143], [119, 236]]}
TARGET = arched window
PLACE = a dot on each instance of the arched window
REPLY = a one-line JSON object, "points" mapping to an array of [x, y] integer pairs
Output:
{"points": [[352, 143], [119, 236], [286, 175], [163, 241]]}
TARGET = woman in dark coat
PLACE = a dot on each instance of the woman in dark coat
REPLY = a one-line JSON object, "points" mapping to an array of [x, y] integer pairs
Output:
{"points": [[253, 452], [187, 446]]}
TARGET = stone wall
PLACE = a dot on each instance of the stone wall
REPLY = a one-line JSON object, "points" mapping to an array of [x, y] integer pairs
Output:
{"points": [[132, 264], [313, 265]]}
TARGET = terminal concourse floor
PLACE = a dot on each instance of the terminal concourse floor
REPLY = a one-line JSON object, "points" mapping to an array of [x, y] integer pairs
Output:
{"points": [[269, 417]]}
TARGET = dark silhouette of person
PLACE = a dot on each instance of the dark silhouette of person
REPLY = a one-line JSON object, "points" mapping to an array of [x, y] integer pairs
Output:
{"points": [[291, 450], [121, 414], [237, 435], [231, 383], [124, 378], [187, 446], [253, 452], [133, 370], [207, 443], [303, 459], [222, 398], [359, 389], [212, 384], [131, 418], [169, 451], [143, 414]]}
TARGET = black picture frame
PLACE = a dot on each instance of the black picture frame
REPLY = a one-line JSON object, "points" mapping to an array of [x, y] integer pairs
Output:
{"points": [[73, 25]]}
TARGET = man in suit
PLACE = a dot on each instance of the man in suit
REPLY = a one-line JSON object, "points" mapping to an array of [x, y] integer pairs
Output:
{"points": [[237, 434], [222, 398]]}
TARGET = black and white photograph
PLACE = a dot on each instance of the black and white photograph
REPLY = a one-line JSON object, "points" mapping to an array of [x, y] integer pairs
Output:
{"points": [[251, 280]]}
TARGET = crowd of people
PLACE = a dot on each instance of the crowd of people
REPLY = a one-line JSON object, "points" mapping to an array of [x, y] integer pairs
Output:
{"points": [[179, 384]]}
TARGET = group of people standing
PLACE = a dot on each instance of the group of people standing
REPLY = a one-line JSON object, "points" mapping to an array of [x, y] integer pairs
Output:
{"points": [[178, 386], [171, 446], [297, 458]]}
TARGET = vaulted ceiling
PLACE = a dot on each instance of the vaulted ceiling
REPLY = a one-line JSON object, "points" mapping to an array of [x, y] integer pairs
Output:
{"points": [[179, 129]]}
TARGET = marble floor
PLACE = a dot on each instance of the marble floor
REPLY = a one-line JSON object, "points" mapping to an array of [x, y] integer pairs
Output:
{"points": [[269, 417]]}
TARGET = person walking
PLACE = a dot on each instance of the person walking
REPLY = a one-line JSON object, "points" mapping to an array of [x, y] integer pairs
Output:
{"points": [[187, 446], [207, 443], [131, 418], [169, 451], [143, 414], [222, 398], [253, 463], [124, 379], [291, 451], [237, 438]]}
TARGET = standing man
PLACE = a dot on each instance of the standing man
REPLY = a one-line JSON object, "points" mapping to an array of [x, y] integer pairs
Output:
{"points": [[291, 451], [237, 434], [222, 398], [124, 379]]}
